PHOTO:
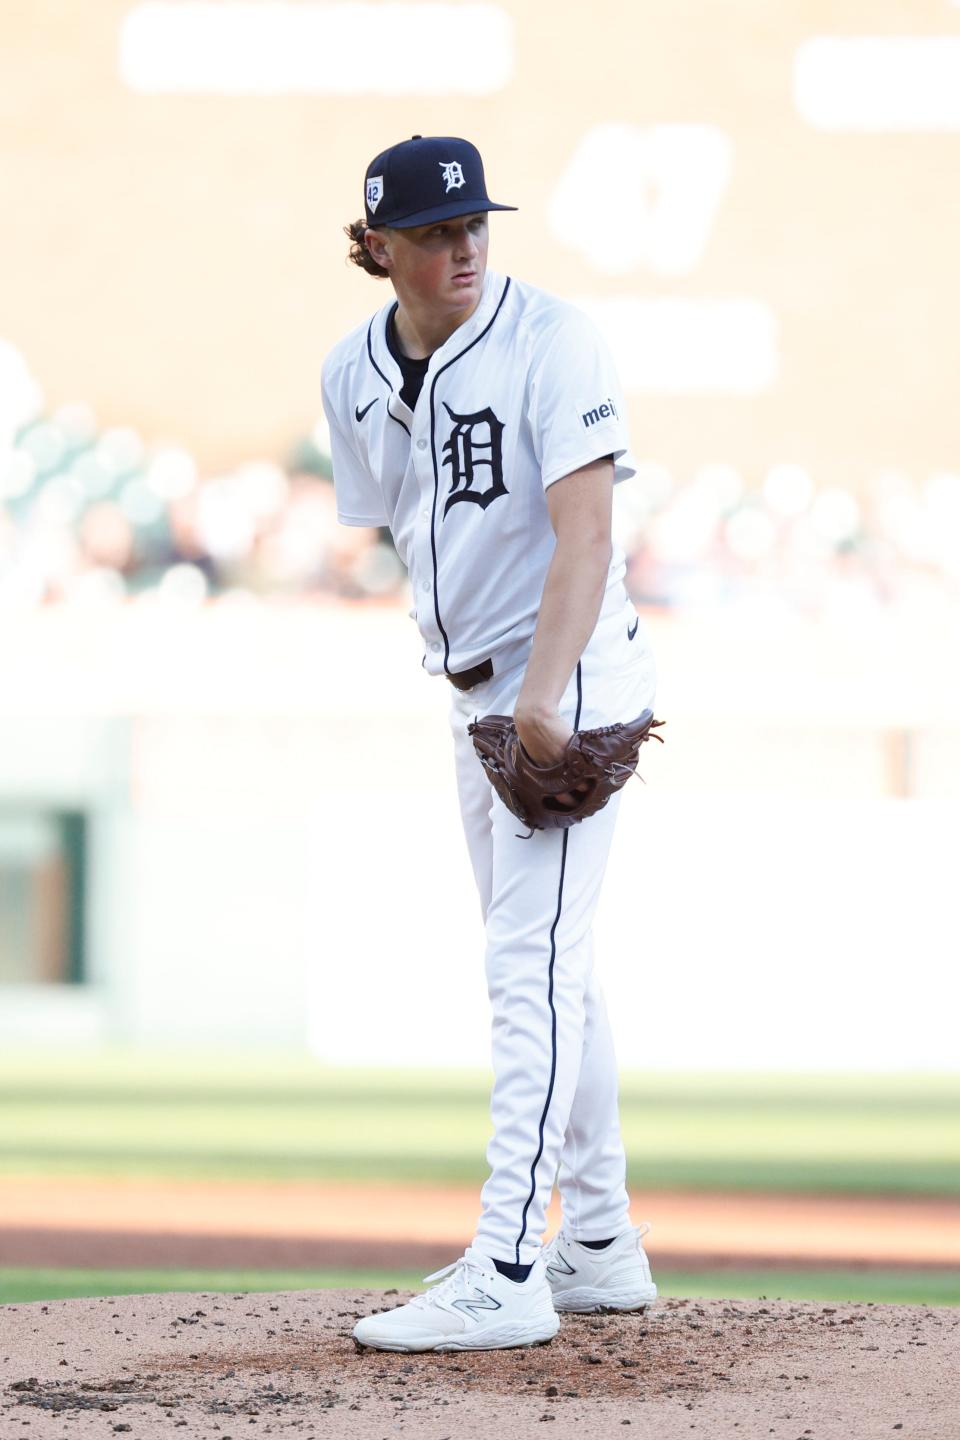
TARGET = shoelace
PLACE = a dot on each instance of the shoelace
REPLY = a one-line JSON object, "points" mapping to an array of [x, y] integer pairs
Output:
{"points": [[457, 1273]]}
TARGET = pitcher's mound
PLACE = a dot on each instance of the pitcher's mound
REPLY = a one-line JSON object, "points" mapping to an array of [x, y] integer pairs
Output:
{"points": [[216, 1365]]}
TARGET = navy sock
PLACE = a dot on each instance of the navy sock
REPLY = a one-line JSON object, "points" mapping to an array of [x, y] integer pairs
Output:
{"points": [[598, 1244], [513, 1272]]}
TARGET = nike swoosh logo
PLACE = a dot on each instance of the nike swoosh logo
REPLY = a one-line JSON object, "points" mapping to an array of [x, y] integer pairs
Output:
{"points": [[631, 633], [360, 413]]}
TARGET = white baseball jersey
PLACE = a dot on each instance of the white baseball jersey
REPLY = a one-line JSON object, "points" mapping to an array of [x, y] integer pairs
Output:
{"points": [[520, 395]]}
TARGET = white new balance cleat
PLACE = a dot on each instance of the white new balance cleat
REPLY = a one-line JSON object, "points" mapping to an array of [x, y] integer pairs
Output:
{"points": [[584, 1280], [475, 1308]]}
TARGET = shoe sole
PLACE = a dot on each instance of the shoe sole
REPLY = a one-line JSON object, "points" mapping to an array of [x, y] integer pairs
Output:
{"points": [[605, 1302], [504, 1337]]}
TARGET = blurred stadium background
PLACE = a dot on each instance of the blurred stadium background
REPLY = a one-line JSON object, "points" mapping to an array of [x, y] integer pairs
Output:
{"points": [[197, 907]]}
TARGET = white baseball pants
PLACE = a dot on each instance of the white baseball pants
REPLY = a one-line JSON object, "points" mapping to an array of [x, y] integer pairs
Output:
{"points": [[555, 1090]]}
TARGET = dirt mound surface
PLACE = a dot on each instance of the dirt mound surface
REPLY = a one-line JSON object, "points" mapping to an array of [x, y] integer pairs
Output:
{"points": [[217, 1365]]}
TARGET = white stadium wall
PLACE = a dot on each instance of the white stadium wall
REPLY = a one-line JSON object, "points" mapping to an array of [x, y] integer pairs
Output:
{"points": [[275, 858]]}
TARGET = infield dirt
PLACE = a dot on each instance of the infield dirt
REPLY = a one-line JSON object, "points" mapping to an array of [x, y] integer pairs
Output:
{"points": [[217, 1365]]}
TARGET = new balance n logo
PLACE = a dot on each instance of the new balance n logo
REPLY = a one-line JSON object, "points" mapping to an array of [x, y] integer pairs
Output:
{"points": [[560, 1265], [482, 1301]]}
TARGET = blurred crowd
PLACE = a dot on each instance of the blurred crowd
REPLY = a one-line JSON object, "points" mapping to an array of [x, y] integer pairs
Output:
{"points": [[778, 540], [99, 515], [96, 515]]}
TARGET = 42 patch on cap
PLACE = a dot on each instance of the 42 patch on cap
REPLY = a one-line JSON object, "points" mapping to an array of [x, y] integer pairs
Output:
{"points": [[374, 192]]}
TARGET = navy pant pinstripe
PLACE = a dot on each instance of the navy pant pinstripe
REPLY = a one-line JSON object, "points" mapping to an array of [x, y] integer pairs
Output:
{"points": [[554, 1102]]}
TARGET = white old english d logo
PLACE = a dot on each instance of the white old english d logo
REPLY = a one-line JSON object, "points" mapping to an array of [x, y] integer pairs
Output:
{"points": [[452, 174]]}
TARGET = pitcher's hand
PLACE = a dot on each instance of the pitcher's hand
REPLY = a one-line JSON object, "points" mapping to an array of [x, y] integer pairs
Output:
{"points": [[544, 735]]}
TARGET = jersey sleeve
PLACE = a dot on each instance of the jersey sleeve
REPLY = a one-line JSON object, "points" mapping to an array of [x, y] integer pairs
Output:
{"points": [[576, 406], [358, 494]]}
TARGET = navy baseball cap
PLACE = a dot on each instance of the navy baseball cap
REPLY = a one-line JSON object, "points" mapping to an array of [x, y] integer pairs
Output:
{"points": [[426, 178]]}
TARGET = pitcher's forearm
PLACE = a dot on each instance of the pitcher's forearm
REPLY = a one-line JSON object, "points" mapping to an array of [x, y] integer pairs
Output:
{"points": [[572, 596]]}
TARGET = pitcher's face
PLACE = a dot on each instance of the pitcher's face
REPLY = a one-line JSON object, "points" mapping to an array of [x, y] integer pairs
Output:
{"points": [[439, 266]]}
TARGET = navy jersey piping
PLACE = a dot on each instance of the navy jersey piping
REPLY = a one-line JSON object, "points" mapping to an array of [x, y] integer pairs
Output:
{"points": [[372, 361], [383, 377], [553, 1012], [436, 473]]}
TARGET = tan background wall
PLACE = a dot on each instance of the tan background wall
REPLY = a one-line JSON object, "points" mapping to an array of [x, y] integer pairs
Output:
{"points": [[177, 260]]}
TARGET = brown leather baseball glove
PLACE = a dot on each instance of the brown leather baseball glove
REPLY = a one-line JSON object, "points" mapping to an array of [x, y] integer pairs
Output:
{"points": [[595, 764]]}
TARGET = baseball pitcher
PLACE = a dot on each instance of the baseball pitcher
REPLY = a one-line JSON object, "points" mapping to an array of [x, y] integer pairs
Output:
{"points": [[482, 420]]}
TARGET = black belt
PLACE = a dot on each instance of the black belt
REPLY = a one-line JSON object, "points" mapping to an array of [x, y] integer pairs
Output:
{"points": [[466, 679]]}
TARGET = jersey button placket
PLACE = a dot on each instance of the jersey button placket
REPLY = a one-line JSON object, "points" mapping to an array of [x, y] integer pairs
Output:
{"points": [[424, 471]]}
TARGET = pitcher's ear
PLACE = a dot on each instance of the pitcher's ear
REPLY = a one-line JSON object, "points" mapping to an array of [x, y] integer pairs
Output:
{"points": [[378, 243]]}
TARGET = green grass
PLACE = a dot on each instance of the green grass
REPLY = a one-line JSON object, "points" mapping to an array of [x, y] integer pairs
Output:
{"points": [[880, 1287], [273, 1117], [20, 1285], [914, 1287]]}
